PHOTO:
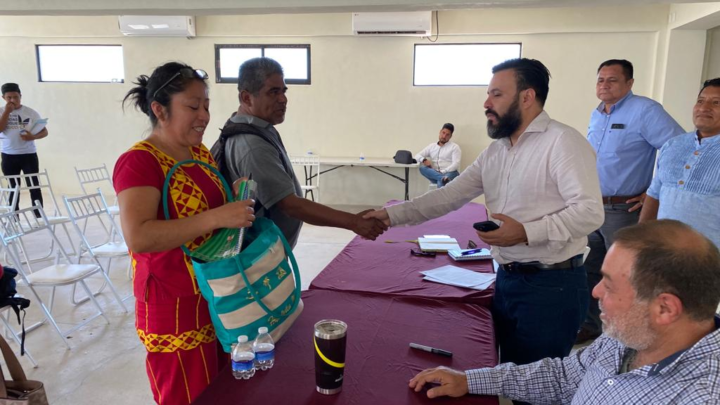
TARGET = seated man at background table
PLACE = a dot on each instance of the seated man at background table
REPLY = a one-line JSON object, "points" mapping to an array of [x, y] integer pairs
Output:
{"points": [[250, 145], [686, 186], [661, 341], [440, 161]]}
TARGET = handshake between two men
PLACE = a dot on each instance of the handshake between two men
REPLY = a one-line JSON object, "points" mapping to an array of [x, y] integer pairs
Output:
{"points": [[510, 233]]}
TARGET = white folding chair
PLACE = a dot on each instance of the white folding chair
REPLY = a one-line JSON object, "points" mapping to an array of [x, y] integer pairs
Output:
{"points": [[109, 245], [14, 226], [99, 176], [311, 171], [95, 175], [41, 181], [8, 199]]}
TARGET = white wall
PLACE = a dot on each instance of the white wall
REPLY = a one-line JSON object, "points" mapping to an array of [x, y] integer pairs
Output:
{"points": [[684, 74], [361, 98], [712, 54]]}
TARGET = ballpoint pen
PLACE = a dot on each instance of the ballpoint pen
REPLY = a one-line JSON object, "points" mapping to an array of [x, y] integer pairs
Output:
{"points": [[471, 252], [431, 349]]}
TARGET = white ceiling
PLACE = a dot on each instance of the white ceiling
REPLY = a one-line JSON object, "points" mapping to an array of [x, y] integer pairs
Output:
{"points": [[224, 7]]}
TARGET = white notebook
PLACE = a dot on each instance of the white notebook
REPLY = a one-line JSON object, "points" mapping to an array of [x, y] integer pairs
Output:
{"points": [[457, 255], [438, 244]]}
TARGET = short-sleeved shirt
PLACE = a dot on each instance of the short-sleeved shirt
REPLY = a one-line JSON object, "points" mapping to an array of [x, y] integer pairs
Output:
{"points": [[626, 142], [163, 276], [250, 154], [687, 183], [12, 144]]}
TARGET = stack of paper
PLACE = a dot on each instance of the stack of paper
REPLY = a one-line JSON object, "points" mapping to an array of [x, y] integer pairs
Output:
{"points": [[458, 277], [34, 127]]}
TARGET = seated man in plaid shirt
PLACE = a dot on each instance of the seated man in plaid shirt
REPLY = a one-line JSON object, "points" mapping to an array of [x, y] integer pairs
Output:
{"points": [[661, 341]]}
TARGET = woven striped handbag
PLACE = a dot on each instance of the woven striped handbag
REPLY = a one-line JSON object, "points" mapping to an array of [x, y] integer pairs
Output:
{"points": [[249, 288]]}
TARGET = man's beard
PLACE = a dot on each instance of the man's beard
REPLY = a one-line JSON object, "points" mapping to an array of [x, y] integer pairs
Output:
{"points": [[632, 328], [506, 124]]}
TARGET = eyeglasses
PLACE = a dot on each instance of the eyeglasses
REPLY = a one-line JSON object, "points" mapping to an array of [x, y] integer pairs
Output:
{"points": [[418, 252], [186, 73]]}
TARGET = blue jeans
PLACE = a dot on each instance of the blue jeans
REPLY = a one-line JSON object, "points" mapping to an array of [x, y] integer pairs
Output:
{"points": [[435, 176], [538, 315], [616, 217]]}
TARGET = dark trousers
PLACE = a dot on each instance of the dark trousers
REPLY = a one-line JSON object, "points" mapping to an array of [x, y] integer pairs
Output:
{"points": [[26, 163], [538, 315], [616, 217]]}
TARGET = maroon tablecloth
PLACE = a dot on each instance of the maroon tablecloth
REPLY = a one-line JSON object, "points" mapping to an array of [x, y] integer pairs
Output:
{"points": [[389, 268], [379, 362]]}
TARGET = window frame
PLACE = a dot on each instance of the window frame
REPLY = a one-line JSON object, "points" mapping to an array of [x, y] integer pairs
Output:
{"points": [[39, 69], [457, 43], [262, 47]]}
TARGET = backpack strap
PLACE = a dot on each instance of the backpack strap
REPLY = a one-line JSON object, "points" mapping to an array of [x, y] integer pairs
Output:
{"points": [[234, 129]]}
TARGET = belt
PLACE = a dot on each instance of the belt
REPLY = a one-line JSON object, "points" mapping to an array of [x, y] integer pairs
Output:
{"points": [[533, 267], [616, 199]]}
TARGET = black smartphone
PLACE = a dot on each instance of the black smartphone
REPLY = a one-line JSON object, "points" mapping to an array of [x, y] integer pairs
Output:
{"points": [[486, 226]]}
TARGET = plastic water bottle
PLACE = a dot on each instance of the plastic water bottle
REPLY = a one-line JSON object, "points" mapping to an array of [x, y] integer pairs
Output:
{"points": [[264, 348], [243, 365], [362, 156]]}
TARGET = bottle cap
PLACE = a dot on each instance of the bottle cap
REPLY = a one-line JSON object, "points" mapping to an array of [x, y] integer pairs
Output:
{"points": [[242, 339], [262, 329]]}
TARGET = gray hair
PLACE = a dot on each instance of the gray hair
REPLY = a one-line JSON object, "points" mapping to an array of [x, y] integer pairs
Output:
{"points": [[671, 257], [254, 72]]}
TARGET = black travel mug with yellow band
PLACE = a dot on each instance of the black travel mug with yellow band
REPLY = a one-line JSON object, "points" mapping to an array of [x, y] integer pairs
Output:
{"points": [[330, 342]]}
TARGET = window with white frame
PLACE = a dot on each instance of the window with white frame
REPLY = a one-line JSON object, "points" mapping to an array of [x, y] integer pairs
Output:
{"points": [[459, 64], [80, 63], [295, 60]]}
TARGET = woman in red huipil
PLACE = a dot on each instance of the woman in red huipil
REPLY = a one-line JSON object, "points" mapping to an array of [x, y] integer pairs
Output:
{"points": [[172, 318]]}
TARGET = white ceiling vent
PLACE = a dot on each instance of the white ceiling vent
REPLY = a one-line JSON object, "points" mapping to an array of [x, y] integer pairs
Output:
{"points": [[157, 26], [412, 23]]}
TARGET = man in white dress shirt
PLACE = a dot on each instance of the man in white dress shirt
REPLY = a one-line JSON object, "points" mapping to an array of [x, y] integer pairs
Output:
{"points": [[440, 161], [541, 184]]}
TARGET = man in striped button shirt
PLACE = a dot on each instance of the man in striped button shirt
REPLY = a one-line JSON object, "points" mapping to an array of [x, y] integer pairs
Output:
{"points": [[686, 186], [661, 341]]}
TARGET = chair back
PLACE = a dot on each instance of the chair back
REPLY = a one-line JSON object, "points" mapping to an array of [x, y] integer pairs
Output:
{"points": [[8, 199], [311, 168], [93, 175], [89, 207], [39, 181], [14, 226]]}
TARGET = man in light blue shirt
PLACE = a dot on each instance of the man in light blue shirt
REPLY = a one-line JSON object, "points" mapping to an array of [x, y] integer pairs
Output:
{"points": [[686, 186], [626, 131]]}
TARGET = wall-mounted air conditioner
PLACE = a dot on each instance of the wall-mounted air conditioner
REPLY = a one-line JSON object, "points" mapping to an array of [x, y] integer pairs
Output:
{"points": [[412, 23], [157, 25]]}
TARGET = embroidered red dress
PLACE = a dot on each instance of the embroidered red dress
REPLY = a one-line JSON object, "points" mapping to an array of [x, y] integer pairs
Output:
{"points": [[171, 317]]}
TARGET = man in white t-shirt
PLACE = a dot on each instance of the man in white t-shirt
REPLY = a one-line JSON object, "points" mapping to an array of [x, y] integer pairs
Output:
{"points": [[440, 161], [18, 138]]}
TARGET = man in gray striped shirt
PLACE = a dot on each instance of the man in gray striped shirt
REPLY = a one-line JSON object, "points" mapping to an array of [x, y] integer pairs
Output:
{"points": [[661, 341]]}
